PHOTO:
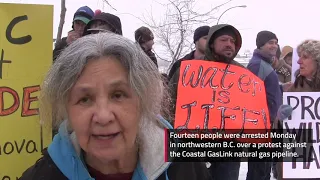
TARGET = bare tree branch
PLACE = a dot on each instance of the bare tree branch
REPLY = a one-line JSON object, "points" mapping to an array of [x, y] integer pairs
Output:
{"points": [[107, 2], [62, 19], [175, 29]]}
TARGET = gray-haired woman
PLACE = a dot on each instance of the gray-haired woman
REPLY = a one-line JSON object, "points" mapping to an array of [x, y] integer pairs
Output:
{"points": [[308, 74], [106, 95]]}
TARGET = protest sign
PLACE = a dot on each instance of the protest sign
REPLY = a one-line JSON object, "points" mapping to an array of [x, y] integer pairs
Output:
{"points": [[26, 55], [214, 95], [305, 115]]}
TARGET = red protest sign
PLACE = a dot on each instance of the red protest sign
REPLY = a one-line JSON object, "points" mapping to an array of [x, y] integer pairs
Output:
{"points": [[214, 95]]}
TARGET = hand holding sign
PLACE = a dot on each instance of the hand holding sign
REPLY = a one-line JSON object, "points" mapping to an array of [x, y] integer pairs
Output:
{"points": [[214, 95]]}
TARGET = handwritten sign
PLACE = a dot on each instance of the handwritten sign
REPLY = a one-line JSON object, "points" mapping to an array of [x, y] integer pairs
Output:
{"points": [[214, 95], [25, 57], [305, 115]]}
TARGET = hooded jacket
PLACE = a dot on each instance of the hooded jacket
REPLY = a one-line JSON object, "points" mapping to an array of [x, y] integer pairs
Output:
{"points": [[62, 160], [210, 55], [112, 20]]}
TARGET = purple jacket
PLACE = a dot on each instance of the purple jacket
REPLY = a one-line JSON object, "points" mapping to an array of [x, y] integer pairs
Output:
{"points": [[260, 65]]}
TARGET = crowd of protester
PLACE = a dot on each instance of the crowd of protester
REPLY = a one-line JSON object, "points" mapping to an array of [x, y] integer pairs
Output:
{"points": [[109, 103]]}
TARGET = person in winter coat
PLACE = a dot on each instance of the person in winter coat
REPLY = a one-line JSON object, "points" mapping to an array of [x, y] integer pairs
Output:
{"points": [[286, 55], [80, 19], [308, 74], [223, 43], [199, 39], [144, 37], [104, 22], [282, 69], [260, 65], [106, 95]]}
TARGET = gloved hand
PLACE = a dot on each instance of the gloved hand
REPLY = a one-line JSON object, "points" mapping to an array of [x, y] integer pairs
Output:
{"points": [[284, 112]]}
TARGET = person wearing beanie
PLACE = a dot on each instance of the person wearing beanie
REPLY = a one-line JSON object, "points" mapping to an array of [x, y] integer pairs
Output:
{"points": [[222, 44], [200, 40], [282, 69], [144, 37], [80, 19], [261, 65], [103, 22], [286, 54]]}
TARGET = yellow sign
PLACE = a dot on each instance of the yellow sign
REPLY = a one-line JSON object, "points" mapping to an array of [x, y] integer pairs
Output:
{"points": [[25, 57]]}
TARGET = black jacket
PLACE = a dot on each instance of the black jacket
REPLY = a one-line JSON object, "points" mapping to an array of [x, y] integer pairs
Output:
{"points": [[151, 55], [45, 169], [59, 47], [177, 64]]}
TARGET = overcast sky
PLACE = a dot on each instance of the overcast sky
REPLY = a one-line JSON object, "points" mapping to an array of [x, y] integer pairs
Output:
{"points": [[291, 20]]}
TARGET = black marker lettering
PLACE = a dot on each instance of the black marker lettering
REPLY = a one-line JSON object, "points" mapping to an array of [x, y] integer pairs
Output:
{"points": [[207, 107], [192, 84], [241, 83], [19, 40], [305, 108], [2, 60], [210, 80], [224, 76], [187, 106]]}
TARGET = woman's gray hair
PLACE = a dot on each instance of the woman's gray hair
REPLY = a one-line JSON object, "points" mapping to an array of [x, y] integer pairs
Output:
{"points": [[143, 75], [312, 48]]}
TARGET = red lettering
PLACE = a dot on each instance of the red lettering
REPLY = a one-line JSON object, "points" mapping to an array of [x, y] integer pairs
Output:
{"points": [[27, 100], [14, 106]]}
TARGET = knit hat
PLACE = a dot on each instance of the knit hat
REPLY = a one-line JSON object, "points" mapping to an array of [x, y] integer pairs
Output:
{"points": [[263, 37], [200, 32], [112, 20], [285, 51], [83, 14], [143, 34]]}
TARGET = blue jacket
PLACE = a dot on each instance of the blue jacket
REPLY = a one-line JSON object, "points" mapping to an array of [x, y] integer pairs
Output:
{"points": [[62, 160], [260, 65]]}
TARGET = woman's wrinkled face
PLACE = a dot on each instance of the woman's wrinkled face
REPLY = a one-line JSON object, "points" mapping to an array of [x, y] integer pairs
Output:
{"points": [[308, 65], [104, 110]]}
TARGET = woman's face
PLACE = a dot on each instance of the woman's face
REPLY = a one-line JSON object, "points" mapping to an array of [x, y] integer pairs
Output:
{"points": [[308, 65], [104, 111]]}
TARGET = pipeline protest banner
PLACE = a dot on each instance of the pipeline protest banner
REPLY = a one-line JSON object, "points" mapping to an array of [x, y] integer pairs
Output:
{"points": [[217, 96], [305, 117], [26, 55]]}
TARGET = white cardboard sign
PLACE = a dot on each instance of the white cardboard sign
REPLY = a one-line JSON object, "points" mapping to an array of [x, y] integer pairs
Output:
{"points": [[305, 115]]}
